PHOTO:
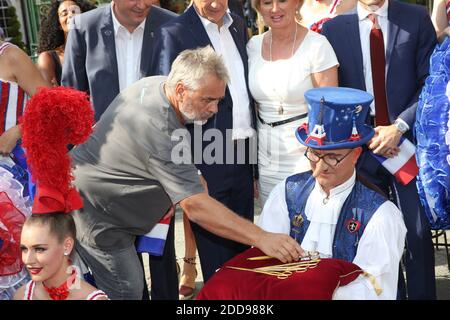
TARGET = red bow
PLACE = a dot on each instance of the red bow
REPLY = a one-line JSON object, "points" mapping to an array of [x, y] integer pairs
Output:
{"points": [[63, 291], [49, 199]]}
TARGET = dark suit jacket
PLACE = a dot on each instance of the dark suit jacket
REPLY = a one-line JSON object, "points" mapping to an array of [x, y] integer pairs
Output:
{"points": [[236, 7], [188, 32], [411, 40], [90, 62]]}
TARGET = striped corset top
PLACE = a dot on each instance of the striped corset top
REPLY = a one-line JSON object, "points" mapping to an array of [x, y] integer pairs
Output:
{"points": [[12, 100]]}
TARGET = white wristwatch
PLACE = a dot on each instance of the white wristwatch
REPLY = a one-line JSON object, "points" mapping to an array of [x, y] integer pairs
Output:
{"points": [[401, 126]]}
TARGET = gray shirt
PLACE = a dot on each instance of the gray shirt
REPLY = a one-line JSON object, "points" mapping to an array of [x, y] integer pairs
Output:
{"points": [[125, 170]]}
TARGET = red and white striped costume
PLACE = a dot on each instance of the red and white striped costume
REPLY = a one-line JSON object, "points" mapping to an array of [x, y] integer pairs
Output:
{"points": [[12, 100]]}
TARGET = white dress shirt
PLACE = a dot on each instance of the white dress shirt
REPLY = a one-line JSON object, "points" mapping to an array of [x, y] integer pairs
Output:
{"points": [[128, 52], [379, 249], [365, 26], [224, 45], [323, 217]]}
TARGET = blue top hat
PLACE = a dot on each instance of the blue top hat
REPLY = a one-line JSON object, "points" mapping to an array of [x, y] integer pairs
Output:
{"points": [[336, 119]]}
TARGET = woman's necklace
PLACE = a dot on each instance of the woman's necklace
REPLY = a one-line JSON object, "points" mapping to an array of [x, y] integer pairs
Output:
{"points": [[280, 107], [61, 292]]}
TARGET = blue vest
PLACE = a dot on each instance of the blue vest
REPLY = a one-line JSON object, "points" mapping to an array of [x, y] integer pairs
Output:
{"points": [[356, 213]]}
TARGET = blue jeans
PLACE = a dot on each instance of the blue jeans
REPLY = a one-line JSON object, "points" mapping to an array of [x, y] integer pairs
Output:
{"points": [[118, 272]]}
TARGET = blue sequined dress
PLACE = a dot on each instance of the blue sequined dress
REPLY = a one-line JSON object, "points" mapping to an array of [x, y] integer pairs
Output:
{"points": [[432, 129]]}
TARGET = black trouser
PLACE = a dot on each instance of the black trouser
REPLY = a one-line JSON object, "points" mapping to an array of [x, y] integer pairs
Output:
{"points": [[419, 257]]}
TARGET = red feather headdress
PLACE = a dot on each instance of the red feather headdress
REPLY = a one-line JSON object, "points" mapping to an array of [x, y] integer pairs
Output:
{"points": [[53, 119]]}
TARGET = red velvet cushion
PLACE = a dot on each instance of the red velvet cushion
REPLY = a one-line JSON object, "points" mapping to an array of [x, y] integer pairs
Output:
{"points": [[317, 283]]}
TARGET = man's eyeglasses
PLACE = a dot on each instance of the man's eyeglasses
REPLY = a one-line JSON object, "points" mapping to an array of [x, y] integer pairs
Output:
{"points": [[330, 159]]}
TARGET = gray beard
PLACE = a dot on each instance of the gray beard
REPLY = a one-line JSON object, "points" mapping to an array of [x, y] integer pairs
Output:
{"points": [[188, 120]]}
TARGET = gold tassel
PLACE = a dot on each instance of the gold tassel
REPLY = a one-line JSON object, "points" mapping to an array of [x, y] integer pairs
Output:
{"points": [[374, 283], [282, 271]]}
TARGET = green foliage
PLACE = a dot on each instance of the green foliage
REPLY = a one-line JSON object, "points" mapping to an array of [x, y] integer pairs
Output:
{"points": [[12, 28]]}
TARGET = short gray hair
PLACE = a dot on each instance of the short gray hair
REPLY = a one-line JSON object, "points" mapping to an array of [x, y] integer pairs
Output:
{"points": [[191, 66]]}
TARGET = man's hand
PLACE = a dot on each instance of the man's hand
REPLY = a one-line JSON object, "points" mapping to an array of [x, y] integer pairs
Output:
{"points": [[385, 142], [447, 31], [8, 140], [280, 246]]}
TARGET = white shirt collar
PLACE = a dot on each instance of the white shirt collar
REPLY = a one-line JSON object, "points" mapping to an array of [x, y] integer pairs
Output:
{"points": [[117, 25], [340, 188], [363, 12], [227, 20]]}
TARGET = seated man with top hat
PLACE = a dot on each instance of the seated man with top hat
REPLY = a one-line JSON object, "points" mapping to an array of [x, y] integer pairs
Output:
{"points": [[329, 210]]}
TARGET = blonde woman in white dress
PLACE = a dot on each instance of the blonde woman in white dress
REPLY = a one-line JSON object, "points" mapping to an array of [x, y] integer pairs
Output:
{"points": [[284, 62]]}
